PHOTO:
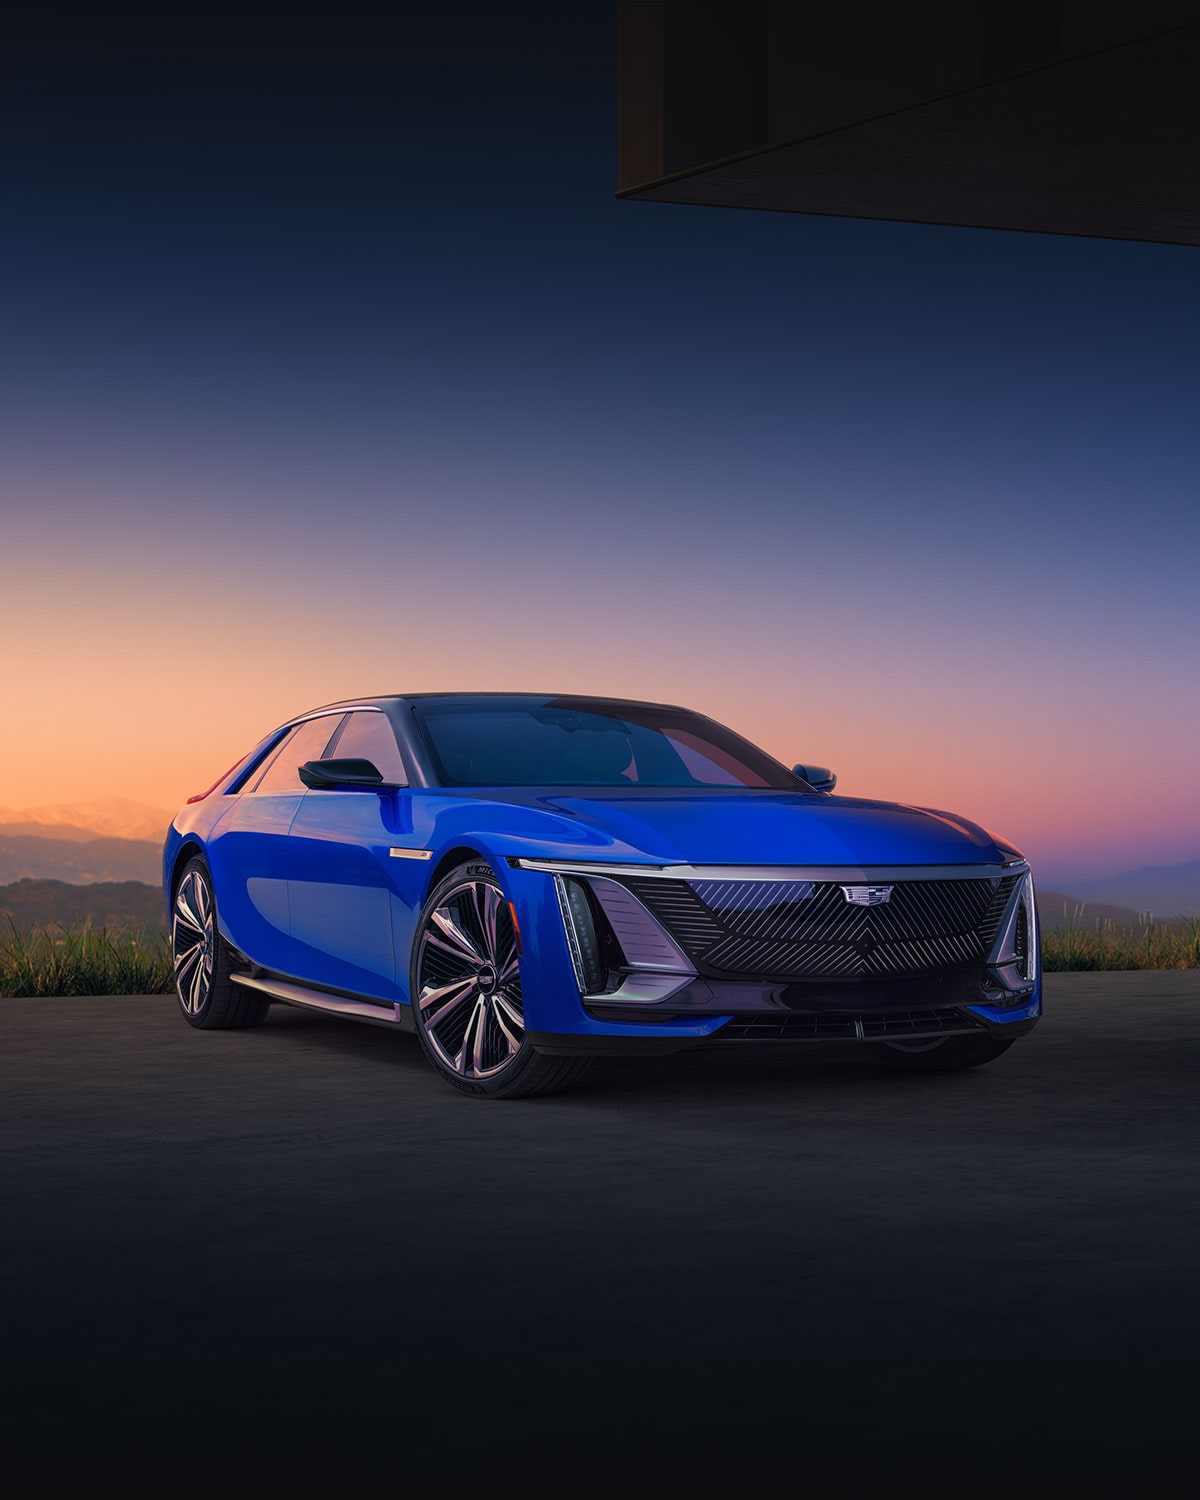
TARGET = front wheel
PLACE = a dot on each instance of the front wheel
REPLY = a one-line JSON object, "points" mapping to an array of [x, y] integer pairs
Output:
{"points": [[202, 960], [948, 1054], [466, 993]]}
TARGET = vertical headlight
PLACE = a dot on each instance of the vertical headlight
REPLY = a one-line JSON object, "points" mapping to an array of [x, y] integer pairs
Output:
{"points": [[1029, 936], [618, 950], [1014, 958], [582, 937]]}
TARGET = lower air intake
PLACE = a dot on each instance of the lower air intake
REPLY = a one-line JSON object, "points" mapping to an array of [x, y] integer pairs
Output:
{"points": [[846, 1026]]}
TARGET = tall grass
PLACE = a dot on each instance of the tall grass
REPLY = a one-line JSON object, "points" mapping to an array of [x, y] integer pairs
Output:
{"points": [[1104, 945], [83, 961], [91, 961]]}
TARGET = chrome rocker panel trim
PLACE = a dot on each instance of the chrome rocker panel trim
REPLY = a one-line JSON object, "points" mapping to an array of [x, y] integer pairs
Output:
{"points": [[381, 1013]]}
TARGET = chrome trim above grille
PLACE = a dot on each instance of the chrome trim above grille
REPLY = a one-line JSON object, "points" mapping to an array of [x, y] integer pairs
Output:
{"points": [[849, 874]]}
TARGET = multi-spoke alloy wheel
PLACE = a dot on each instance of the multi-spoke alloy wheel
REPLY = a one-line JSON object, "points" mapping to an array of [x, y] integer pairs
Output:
{"points": [[470, 982], [203, 961], [192, 933], [467, 992]]}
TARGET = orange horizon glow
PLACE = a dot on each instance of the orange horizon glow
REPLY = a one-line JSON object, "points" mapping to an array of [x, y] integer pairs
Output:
{"points": [[147, 694]]}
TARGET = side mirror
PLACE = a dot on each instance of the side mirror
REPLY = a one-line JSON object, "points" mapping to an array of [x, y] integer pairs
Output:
{"points": [[333, 775], [818, 777]]}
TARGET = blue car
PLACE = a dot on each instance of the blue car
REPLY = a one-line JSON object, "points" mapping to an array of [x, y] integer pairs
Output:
{"points": [[528, 882]]}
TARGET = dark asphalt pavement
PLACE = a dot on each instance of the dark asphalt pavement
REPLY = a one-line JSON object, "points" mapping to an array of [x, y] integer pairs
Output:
{"points": [[292, 1257]]}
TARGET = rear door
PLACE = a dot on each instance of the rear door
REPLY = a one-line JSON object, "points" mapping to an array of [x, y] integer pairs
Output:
{"points": [[341, 893], [249, 851]]}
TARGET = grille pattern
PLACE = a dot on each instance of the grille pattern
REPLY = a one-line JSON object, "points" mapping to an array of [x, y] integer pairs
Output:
{"points": [[681, 912], [807, 929], [844, 1026]]}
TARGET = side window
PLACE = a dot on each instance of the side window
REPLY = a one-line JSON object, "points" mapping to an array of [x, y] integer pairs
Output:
{"points": [[266, 763], [371, 737], [306, 742], [247, 781]]}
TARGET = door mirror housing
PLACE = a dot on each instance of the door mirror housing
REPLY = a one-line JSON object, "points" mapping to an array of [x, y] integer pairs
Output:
{"points": [[820, 778], [344, 775]]}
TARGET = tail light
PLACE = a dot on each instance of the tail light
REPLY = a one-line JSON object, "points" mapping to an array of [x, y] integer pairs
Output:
{"points": [[200, 796]]}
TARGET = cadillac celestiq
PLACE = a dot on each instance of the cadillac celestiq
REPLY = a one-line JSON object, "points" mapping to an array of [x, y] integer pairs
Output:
{"points": [[527, 882]]}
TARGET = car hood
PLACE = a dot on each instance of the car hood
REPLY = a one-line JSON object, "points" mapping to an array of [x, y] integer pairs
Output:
{"points": [[761, 828]]}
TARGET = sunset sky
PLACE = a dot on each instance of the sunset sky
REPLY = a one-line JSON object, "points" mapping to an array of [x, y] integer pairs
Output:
{"points": [[329, 364]]}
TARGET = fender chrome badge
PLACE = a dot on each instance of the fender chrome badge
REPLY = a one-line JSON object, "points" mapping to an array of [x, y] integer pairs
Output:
{"points": [[867, 895]]}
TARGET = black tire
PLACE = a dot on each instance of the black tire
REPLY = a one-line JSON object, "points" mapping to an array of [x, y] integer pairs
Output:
{"points": [[207, 997], [482, 1020], [950, 1055]]}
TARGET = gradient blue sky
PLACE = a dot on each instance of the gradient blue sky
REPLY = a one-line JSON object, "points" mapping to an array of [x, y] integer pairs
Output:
{"points": [[330, 364]]}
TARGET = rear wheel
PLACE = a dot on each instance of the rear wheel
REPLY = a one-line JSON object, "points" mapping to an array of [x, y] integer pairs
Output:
{"points": [[948, 1054], [203, 961], [466, 993]]}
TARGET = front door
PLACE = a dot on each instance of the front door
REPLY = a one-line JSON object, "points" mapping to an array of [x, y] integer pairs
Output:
{"points": [[340, 885]]}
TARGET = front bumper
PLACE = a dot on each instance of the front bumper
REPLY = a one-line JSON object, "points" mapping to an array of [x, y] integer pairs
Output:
{"points": [[761, 1027], [654, 1009]]}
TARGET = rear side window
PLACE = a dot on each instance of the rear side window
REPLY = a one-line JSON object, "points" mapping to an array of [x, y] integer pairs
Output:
{"points": [[370, 736], [306, 742]]}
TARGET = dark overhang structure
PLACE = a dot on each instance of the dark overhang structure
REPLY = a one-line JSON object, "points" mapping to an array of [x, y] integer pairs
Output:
{"points": [[1060, 116]]}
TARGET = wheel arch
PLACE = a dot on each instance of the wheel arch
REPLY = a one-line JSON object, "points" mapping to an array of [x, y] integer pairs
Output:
{"points": [[189, 849], [459, 855]]}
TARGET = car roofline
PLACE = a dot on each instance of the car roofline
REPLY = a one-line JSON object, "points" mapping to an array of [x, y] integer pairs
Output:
{"points": [[422, 773], [383, 700]]}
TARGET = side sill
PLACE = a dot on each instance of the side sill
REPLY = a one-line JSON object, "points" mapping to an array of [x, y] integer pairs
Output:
{"points": [[377, 1012]]}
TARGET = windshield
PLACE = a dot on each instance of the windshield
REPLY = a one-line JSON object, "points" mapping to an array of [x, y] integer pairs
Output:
{"points": [[517, 741]]}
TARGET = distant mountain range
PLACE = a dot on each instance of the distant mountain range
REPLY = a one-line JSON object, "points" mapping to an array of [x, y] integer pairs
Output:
{"points": [[111, 839], [1058, 910], [116, 839], [78, 860], [128, 906], [1161, 890], [104, 817]]}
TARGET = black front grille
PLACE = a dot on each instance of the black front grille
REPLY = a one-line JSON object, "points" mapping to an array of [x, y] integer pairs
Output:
{"points": [[808, 929], [847, 1026]]}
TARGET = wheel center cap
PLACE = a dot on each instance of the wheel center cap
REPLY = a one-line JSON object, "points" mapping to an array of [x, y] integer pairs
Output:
{"points": [[487, 979]]}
